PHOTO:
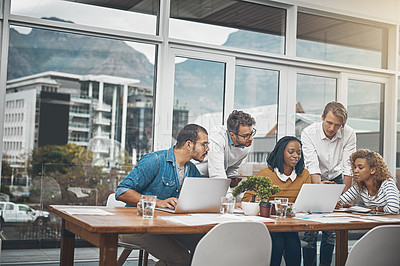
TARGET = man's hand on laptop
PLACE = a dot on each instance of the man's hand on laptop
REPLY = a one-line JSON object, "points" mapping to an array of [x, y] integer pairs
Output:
{"points": [[167, 203], [327, 182]]}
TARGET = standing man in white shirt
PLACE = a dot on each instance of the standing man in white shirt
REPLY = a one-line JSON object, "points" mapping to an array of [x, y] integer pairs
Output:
{"points": [[229, 146], [327, 147]]}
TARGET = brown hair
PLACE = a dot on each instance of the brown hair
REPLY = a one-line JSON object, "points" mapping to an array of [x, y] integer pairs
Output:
{"points": [[375, 160], [337, 109], [239, 118]]}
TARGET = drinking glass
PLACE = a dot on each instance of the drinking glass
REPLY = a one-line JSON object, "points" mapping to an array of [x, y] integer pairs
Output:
{"points": [[227, 205], [290, 211], [148, 206], [280, 207]]}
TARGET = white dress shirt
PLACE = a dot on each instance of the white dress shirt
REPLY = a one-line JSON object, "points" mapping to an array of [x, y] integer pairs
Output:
{"points": [[224, 158], [328, 157]]}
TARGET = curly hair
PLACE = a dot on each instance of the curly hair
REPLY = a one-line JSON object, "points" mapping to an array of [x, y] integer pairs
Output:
{"points": [[373, 159]]}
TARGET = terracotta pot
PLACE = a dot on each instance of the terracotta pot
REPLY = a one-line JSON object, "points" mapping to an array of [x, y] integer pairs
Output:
{"points": [[265, 209]]}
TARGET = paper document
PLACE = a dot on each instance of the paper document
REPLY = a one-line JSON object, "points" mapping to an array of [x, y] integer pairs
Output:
{"points": [[88, 211], [203, 219]]}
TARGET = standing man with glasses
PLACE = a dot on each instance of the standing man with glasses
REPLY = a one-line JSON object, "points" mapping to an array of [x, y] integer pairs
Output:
{"points": [[229, 146], [161, 174], [327, 147]]}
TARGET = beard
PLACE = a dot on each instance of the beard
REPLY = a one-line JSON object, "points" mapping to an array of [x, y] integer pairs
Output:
{"points": [[197, 155]]}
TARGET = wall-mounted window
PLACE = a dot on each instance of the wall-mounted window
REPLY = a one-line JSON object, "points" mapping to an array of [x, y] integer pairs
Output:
{"points": [[366, 113], [312, 94], [230, 23], [339, 40], [61, 119], [134, 16], [256, 92]]}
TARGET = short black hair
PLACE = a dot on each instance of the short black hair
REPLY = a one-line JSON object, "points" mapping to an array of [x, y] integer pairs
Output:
{"points": [[237, 118], [275, 158], [189, 132]]}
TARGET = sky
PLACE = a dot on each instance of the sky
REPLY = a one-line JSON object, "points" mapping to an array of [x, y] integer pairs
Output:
{"points": [[118, 19]]}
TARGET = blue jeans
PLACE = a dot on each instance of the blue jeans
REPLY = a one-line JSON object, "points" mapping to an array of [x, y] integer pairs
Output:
{"points": [[327, 243], [288, 242]]}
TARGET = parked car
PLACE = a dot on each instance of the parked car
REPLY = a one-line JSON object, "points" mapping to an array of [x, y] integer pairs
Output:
{"points": [[13, 212]]}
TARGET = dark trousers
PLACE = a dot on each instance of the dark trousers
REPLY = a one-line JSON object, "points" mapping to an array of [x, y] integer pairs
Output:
{"points": [[327, 243], [287, 243]]}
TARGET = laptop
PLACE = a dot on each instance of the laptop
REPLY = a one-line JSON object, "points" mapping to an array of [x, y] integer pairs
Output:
{"points": [[200, 195], [318, 198]]}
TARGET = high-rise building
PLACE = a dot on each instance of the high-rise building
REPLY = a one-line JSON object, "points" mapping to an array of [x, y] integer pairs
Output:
{"points": [[107, 114]]}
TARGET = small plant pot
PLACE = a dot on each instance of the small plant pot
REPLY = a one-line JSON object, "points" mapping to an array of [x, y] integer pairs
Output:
{"points": [[265, 209], [251, 208]]}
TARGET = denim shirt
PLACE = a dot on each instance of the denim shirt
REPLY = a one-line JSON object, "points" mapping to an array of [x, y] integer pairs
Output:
{"points": [[156, 174]]}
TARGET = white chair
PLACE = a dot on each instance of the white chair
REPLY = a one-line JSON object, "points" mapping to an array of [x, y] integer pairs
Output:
{"points": [[379, 246], [234, 244], [143, 255]]}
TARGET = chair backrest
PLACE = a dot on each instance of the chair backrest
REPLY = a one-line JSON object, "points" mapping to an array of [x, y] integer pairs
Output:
{"points": [[112, 202], [379, 246], [234, 243]]}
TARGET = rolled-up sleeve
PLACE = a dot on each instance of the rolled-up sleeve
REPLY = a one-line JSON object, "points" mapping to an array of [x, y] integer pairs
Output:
{"points": [[310, 154], [348, 149], [216, 158], [140, 176]]}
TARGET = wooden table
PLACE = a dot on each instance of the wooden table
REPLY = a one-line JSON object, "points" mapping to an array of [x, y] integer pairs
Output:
{"points": [[102, 231]]}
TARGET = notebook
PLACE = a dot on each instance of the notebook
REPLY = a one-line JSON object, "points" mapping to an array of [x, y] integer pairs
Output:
{"points": [[318, 198], [200, 195]]}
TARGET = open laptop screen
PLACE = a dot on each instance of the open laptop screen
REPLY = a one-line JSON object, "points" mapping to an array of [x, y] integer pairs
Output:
{"points": [[318, 198], [201, 195]]}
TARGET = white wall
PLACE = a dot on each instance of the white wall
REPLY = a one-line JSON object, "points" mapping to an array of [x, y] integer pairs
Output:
{"points": [[384, 10]]}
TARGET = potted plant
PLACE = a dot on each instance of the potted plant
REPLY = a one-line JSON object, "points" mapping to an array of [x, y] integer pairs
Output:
{"points": [[263, 190]]}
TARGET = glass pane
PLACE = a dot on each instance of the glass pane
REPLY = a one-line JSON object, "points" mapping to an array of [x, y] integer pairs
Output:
{"points": [[256, 93], [229, 23], [78, 115], [138, 16], [365, 107], [341, 41], [312, 94], [398, 134], [198, 93]]}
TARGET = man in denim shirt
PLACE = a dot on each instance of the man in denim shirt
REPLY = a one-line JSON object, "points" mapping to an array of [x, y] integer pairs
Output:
{"points": [[161, 174]]}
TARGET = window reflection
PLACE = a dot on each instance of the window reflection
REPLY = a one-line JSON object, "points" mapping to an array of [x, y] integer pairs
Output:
{"points": [[340, 40], [256, 92], [312, 94], [138, 16], [196, 82], [229, 23], [78, 113], [365, 108]]}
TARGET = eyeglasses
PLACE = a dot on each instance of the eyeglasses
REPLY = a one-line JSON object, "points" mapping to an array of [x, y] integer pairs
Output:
{"points": [[204, 144], [248, 136]]}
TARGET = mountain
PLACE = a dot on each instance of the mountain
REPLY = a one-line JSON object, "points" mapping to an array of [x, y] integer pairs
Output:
{"points": [[198, 81], [199, 84], [45, 50]]}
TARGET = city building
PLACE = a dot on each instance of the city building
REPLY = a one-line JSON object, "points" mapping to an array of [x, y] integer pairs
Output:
{"points": [[193, 59]]}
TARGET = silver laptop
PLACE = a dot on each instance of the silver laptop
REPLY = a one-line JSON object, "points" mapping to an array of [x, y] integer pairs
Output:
{"points": [[200, 195], [318, 198]]}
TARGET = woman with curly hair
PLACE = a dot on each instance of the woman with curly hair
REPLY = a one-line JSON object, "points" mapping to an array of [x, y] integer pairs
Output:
{"points": [[373, 183], [286, 170]]}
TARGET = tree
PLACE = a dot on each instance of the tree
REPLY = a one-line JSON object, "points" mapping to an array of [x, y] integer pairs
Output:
{"points": [[69, 165], [6, 169]]}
